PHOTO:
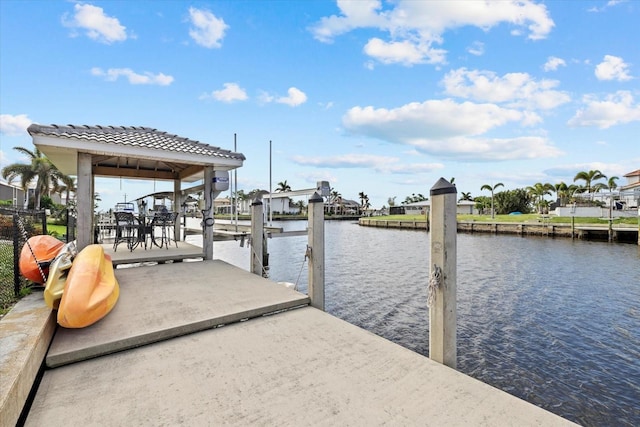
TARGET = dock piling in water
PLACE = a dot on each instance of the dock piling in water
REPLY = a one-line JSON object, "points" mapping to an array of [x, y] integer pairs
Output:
{"points": [[315, 251], [442, 273], [257, 233]]}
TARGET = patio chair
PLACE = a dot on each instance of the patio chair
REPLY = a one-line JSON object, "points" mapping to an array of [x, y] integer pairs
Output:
{"points": [[166, 222], [127, 226]]}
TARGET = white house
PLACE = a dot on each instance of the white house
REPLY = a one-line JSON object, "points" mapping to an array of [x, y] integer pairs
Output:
{"points": [[464, 207]]}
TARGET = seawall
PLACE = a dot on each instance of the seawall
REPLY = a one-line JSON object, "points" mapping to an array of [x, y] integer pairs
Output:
{"points": [[544, 229]]}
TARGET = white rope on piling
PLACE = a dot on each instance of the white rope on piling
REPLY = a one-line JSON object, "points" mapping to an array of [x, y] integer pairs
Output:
{"points": [[434, 283], [307, 255]]}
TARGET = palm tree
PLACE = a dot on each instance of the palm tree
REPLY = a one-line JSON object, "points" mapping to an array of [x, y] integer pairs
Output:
{"points": [[561, 192], [68, 186], [41, 169], [539, 190], [492, 189], [611, 183], [588, 178], [466, 196], [283, 186]]}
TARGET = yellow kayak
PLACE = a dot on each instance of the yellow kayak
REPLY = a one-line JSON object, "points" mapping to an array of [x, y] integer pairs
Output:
{"points": [[91, 289], [58, 272]]}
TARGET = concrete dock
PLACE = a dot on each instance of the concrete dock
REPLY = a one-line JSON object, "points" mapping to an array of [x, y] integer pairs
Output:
{"points": [[206, 343]]}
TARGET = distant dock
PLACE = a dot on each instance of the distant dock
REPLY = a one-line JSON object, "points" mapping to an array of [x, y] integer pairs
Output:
{"points": [[623, 234]]}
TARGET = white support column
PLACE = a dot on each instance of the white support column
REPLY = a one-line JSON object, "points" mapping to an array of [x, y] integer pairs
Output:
{"points": [[84, 194], [315, 251], [442, 273], [207, 217], [257, 234]]}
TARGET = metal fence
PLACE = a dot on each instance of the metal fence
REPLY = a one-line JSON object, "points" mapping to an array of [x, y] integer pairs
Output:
{"points": [[11, 242]]}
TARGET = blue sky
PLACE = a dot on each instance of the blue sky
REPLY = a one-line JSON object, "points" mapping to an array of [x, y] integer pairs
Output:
{"points": [[380, 97]]}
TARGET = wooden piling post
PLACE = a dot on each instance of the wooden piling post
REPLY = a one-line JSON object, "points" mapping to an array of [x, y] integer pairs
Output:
{"points": [[442, 274], [257, 234], [315, 251]]}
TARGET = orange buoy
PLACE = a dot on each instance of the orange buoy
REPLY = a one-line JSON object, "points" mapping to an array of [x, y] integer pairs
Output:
{"points": [[91, 289], [45, 248]]}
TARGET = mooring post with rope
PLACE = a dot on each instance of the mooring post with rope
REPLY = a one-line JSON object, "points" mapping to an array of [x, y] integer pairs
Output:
{"points": [[257, 231], [442, 277], [315, 251]]}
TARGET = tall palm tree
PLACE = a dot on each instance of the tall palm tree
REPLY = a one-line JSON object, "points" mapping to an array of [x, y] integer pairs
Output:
{"points": [[492, 189], [539, 190], [68, 186], [41, 169], [561, 192], [588, 178], [283, 186]]}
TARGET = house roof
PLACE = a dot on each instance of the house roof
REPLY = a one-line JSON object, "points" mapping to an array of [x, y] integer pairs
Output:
{"points": [[129, 151], [634, 173]]}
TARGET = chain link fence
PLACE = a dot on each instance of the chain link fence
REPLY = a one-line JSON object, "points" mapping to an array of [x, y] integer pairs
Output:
{"points": [[12, 284]]}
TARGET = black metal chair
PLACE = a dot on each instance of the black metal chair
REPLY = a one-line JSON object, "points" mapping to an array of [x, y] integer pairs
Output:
{"points": [[166, 222], [127, 230]]}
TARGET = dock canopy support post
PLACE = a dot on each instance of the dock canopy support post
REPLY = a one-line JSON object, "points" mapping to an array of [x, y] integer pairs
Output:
{"points": [[207, 214], [442, 274], [84, 195], [257, 232], [315, 251]]}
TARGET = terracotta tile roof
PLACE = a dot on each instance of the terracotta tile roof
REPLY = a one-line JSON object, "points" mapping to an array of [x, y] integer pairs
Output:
{"points": [[134, 137], [634, 173]]}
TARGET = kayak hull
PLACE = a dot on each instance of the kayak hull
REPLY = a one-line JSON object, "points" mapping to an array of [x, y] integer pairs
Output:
{"points": [[91, 289], [45, 248]]}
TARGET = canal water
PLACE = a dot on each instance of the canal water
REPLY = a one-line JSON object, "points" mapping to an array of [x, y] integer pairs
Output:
{"points": [[555, 322]]}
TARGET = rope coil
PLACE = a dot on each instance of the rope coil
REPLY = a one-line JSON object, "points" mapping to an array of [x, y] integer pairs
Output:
{"points": [[434, 283]]}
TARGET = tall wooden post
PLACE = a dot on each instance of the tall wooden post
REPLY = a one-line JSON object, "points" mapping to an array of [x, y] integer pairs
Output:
{"points": [[84, 194], [315, 251], [207, 214], [177, 207], [257, 233], [442, 277]]}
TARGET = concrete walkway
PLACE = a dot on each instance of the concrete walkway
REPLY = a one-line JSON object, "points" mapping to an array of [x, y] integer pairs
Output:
{"points": [[300, 366]]}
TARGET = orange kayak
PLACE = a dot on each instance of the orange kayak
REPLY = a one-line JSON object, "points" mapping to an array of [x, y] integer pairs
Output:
{"points": [[91, 289], [45, 248]]}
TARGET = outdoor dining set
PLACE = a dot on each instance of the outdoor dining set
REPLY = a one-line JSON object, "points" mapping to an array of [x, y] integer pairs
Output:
{"points": [[144, 230]]}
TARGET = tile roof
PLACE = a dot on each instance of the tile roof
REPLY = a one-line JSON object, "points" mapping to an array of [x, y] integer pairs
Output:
{"points": [[133, 136]]}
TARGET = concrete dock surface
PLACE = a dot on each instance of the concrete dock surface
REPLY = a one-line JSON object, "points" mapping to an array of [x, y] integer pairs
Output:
{"points": [[206, 343]]}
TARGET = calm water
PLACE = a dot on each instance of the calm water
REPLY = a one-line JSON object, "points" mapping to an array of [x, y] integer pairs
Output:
{"points": [[553, 321]]}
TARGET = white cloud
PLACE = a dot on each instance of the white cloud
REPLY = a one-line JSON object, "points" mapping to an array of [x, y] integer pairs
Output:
{"points": [[404, 52], [434, 119], [615, 109], [382, 164], [449, 129], [112, 74], [515, 89], [476, 48], [553, 63], [231, 92], [96, 24], [295, 97], [207, 30], [612, 68], [14, 125], [414, 26]]}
